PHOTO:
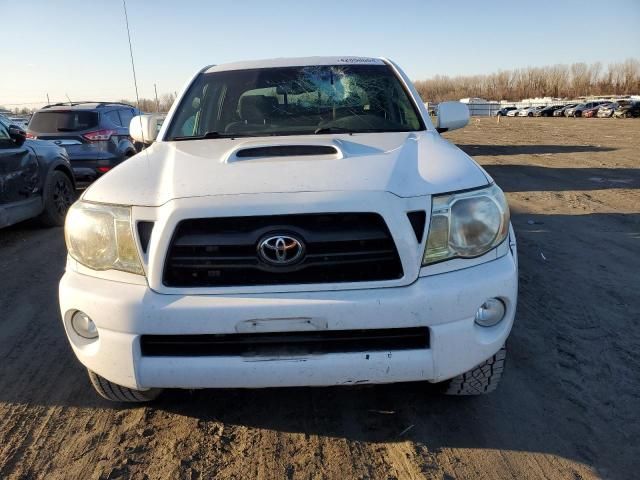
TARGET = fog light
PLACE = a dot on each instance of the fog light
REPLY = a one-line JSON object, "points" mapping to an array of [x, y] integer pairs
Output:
{"points": [[490, 312], [83, 325]]}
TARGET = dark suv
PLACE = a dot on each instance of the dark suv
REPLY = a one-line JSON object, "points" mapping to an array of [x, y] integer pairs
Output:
{"points": [[95, 135], [35, 178]]}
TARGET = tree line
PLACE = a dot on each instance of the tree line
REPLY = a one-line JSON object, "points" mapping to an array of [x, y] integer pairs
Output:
{"points": [[151, 106], [562, 81]]}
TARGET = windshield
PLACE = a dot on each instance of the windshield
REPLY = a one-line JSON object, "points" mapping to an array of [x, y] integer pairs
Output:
{"points": [[294, 101]]}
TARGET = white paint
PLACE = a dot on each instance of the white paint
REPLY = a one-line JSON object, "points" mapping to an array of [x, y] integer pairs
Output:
{"points": [[446, 303], [387, 173]]}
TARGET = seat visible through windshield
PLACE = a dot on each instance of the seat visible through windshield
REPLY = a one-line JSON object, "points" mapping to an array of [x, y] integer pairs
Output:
{"points": [[295, 100]]}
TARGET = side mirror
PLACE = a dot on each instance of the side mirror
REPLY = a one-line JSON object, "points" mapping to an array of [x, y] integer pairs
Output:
{"points": [[452, 115], [144, 128], [17, 134]]}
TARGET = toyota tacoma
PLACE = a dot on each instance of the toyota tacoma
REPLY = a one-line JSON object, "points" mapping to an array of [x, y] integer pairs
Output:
{"points": [[294, 222]]}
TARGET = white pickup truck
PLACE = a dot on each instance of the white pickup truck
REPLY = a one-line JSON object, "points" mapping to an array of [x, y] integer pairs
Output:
{"points": [[294, 222]]}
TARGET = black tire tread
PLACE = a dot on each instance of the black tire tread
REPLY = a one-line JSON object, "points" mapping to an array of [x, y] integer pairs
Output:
{"points": [[481, 379], [118, 393]]}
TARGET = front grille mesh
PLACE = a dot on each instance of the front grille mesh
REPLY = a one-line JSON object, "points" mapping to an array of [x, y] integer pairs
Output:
{"points": [[339, 247]]}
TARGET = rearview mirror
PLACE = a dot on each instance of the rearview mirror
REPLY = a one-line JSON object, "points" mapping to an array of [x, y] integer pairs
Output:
{"points": [[452, 115], [144, 128], [17, 135]]}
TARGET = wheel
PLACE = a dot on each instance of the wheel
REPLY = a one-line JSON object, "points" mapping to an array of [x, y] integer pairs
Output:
{"points": [[117, 393], [59, 195], [479, 380], [529, 114]]}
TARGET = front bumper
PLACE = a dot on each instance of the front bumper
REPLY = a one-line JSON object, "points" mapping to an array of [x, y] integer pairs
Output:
{"points": [[445, 303]]}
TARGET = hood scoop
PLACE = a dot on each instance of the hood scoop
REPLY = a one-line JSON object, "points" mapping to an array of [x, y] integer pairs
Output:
{"points": [[277, 151]]}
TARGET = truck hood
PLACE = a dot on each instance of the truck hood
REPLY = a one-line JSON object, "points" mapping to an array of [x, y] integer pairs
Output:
{"points": [[407, 164]]}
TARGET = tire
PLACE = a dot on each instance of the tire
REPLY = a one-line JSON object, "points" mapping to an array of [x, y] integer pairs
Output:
{"points": [[479, 380], [117, 393], [59, 195]]}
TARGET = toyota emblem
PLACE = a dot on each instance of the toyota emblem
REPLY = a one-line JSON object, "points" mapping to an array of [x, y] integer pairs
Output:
{"points": [[280, 250]]}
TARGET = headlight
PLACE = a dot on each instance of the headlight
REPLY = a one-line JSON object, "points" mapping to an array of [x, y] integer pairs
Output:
{"points": [[100, 237], [466, 225]]}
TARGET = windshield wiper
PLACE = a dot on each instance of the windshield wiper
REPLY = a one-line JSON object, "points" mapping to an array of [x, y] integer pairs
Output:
{"points": [[320, 130]]}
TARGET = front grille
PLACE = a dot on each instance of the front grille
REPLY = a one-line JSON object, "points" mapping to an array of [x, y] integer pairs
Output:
{"points": [[285, 343], [338, 247]]}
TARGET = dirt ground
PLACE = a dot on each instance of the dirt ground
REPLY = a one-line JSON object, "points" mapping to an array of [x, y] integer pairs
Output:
{"points": [[568, 407]]}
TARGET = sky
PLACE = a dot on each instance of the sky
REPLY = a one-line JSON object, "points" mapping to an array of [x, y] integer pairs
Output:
{"points": [[79, 48]]}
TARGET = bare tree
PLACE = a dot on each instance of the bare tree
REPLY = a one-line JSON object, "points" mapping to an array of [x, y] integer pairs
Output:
{"points": [[573, 80]]}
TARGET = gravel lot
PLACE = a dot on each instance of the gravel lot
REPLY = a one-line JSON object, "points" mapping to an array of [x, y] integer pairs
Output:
{"points": [[568, 406]]}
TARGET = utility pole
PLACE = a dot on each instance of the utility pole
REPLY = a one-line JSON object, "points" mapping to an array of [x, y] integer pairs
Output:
{"points": [[48, 101], [157, 102]]}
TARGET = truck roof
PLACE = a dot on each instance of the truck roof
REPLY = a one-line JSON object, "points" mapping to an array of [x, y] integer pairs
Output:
{"points": [[295, 62]]}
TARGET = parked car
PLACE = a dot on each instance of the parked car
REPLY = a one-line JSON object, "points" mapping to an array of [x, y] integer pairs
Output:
{"points": [[4, 119], [547, 111], [607, 110], [95, 135], [232, 255], [514, 113], [592, 112], [504, 110], [561, 111], [529, 111], [36, 179], [627, 110], [19, 122], [578, 109]]}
